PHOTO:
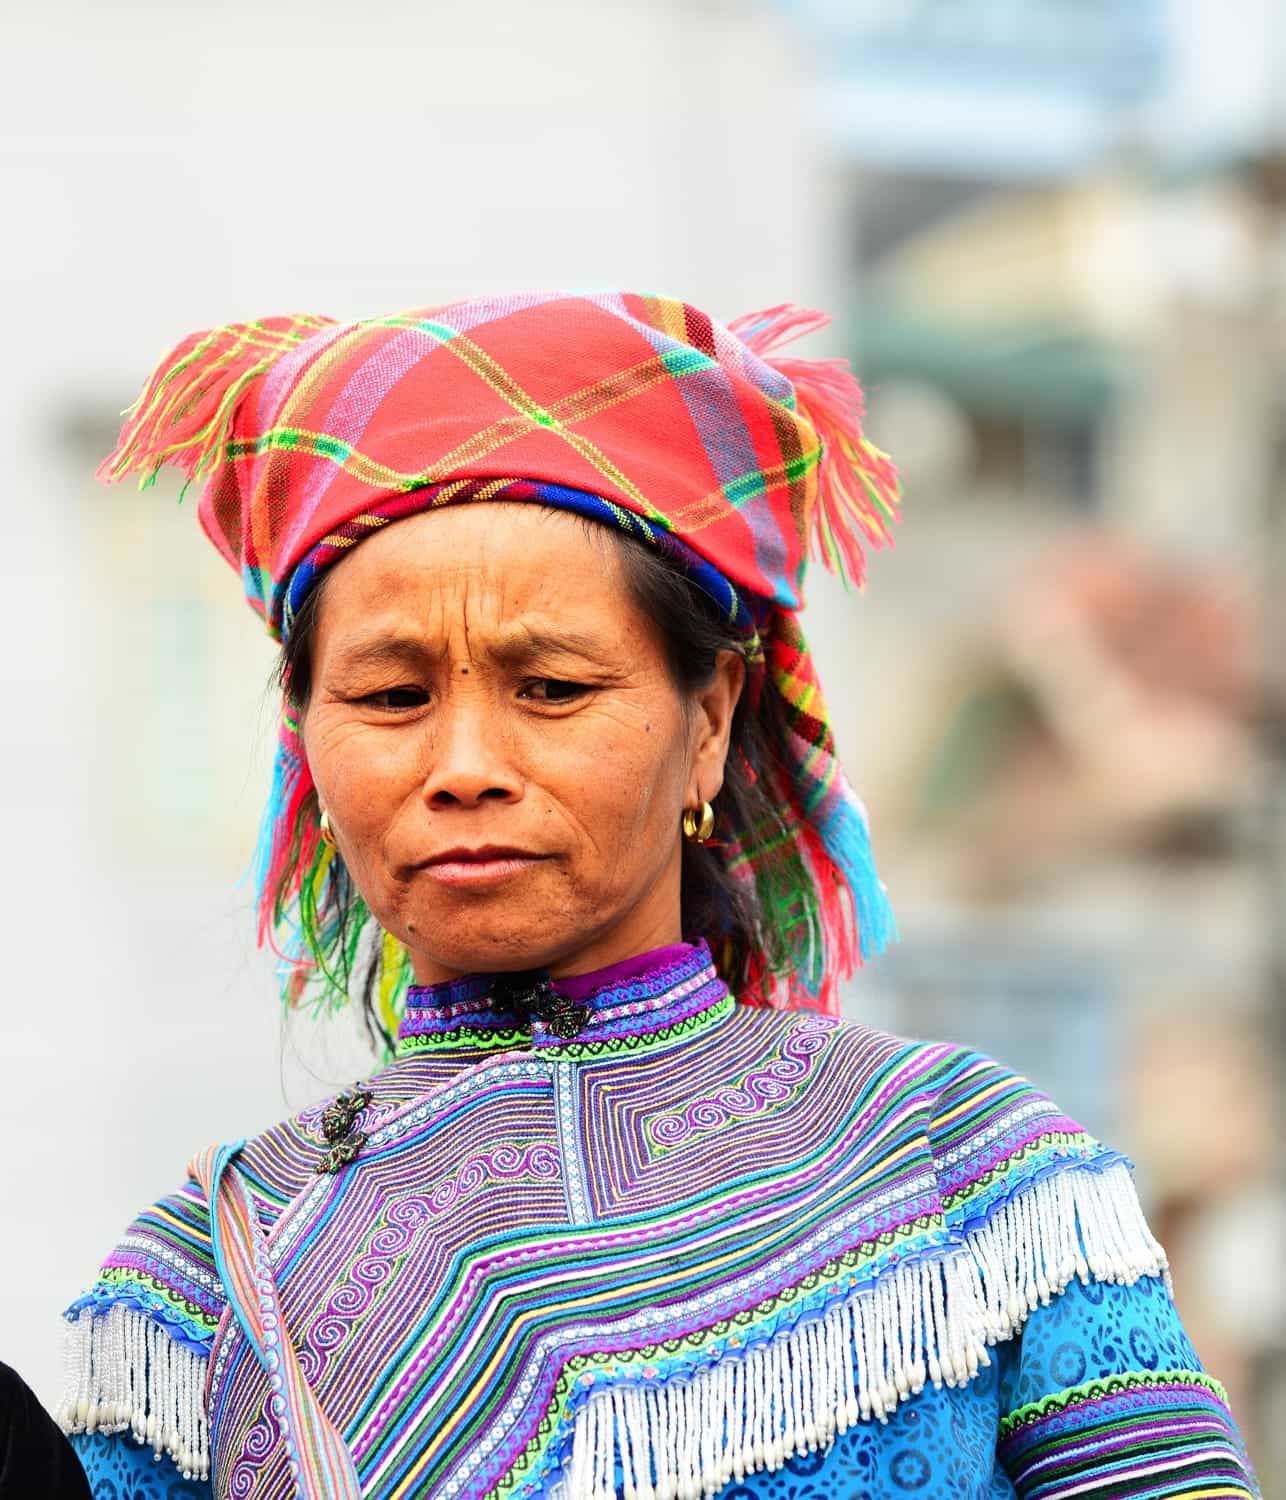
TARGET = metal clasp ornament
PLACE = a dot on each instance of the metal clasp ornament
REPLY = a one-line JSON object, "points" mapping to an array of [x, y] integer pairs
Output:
{"points": [[530, 994], [342, 1153], [564, 1017], [337, 1121]]}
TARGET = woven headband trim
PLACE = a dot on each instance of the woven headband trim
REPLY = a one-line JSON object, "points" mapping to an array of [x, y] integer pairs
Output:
{"points": [[734, 607]]}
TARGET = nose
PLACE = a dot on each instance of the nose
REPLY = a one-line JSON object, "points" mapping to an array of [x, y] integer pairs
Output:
{"points": [[468, 763]]}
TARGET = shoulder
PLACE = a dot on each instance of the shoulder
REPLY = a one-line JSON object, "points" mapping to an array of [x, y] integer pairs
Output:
{"points": [[956, 1096], [139, 1339], [992, 1132], [1033, 1196], [979, 1116], [162, 1267], [1033, 1202]]}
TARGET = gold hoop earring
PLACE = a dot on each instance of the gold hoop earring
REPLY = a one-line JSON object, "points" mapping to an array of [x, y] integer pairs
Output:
{"points": [[327, 834], [698, 824]]}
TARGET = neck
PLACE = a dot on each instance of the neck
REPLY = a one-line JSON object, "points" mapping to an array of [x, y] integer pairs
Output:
{"points": [[653, 922], [663, 931], [600, 954]]}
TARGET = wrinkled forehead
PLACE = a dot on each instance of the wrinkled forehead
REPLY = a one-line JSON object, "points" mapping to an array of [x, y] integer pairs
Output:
{"points": [[588, 534], [517, 576]]}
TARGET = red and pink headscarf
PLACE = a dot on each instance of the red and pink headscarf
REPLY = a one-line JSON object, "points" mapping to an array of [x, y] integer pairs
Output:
{"points": [[638, 411]]}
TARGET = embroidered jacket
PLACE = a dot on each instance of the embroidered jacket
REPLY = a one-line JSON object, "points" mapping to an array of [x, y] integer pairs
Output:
{"points": [[647, 1241]]}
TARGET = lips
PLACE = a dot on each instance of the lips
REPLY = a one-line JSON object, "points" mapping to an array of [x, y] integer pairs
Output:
{"points": [[483, 854], [487, 864]]}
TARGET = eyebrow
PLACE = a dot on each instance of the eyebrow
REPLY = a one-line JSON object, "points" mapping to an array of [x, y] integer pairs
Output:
{"points": [[514, 644], [521, 642], [385, 651]]}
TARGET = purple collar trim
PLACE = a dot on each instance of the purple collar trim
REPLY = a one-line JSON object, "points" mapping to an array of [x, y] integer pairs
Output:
{"points": [[628, 1003]]}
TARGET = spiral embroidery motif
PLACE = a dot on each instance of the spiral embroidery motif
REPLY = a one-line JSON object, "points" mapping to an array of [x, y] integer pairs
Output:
{"points": [[757, 1091], [401, 1221]]}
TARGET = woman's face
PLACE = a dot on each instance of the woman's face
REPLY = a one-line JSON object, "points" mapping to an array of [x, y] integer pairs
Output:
{"points": [[497, 738]]}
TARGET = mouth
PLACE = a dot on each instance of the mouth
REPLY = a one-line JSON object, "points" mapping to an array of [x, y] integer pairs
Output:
{"points": [[486, 865]]}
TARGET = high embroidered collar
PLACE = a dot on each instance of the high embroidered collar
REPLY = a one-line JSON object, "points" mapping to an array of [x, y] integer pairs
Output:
{"points": [[654, 998]]}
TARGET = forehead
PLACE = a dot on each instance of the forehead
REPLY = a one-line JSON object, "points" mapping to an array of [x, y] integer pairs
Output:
{"points": [[491, 561]]}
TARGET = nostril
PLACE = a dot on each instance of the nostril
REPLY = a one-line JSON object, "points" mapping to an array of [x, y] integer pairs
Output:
{"points": [[464, 785]]}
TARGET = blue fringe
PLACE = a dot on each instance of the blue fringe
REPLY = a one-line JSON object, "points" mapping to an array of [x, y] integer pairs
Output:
{"points": [[846, 835]]}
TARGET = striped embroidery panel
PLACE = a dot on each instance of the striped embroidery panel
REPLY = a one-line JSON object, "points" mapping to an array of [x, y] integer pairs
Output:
{"points": [[318, 1457], [1138, 1436], [498, 1321]]}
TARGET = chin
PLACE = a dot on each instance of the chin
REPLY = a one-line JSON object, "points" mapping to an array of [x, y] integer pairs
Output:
{"points": [[472, 945]]}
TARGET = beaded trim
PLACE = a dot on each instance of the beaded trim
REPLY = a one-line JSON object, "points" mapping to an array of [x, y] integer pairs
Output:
{"points": [[123, 1372], [750, 1404]]}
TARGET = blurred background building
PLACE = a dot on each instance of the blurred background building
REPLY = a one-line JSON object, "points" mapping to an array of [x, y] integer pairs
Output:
{"points": [[1053, 237]]}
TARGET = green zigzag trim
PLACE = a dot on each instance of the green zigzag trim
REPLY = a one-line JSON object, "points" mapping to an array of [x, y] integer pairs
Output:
{"points": [[1040, 1146], [465, 1039], [569, 1051], [1107, 1385], [118, 1278]]}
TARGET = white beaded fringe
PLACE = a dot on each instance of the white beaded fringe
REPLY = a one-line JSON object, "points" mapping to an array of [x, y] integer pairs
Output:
{"points": [[930, 1321], [123, 1372]]}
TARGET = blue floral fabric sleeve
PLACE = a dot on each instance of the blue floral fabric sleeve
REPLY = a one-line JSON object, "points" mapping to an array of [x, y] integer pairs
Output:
{"points": [[121, 1469], [1106, 1396]]}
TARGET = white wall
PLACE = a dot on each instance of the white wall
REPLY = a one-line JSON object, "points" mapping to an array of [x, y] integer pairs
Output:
{"points": [[166, 167]]}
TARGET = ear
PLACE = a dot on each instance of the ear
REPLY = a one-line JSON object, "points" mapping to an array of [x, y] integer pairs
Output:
{"points": [[713, 709]]}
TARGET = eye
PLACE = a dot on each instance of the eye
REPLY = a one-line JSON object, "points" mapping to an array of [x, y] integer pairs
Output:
{"points": [[397, 699], [554, 690]]}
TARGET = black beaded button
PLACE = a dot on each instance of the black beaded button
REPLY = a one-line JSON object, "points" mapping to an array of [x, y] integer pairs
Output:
{"points": [[337, 1118], [565, 1018], [523, 992], [530, 994], [342, 1153]]}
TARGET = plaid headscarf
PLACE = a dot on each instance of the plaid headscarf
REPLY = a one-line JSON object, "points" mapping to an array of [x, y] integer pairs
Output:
{"points": [[636, 410]]}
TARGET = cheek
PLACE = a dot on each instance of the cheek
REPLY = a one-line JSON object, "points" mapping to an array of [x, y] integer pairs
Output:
{"points": [[620, 783], [361, 774]]}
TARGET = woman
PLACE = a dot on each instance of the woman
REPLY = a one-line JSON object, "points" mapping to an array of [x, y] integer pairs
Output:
{"points": [[555, 784]]}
